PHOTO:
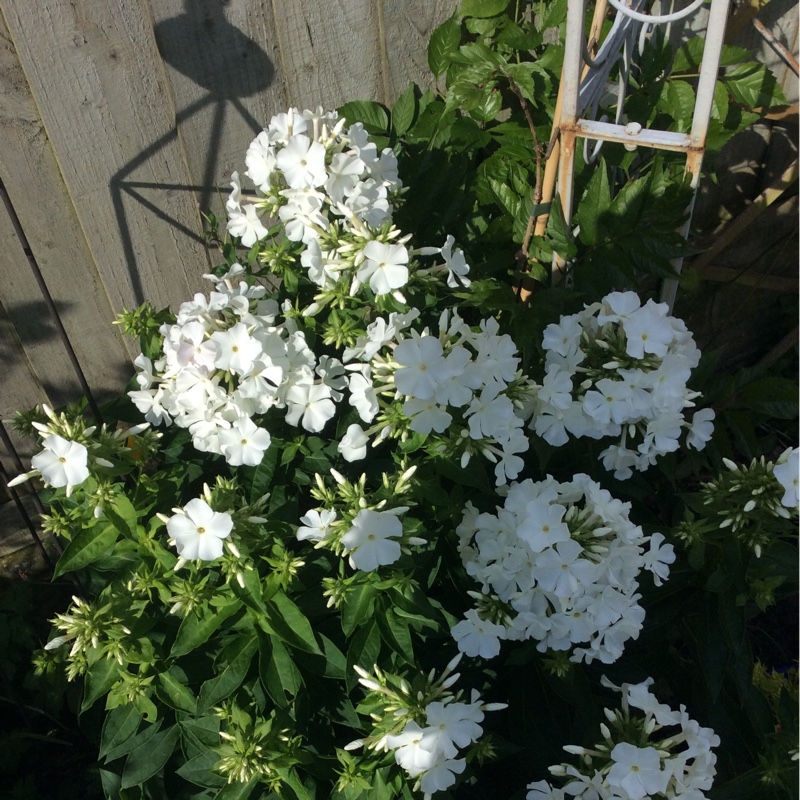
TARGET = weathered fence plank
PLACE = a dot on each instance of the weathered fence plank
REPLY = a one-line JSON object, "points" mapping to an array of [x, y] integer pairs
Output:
{"points": [[329, 52], [32, 321], [41, 203], [19, 390], [407, 30], [96, 76], [221, 65]]}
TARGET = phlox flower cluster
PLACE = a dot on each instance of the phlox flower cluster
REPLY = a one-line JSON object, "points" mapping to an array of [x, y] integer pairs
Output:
{"points": [[558, 563], [308, 170], [227, 358], [333, 193], [363, 528], [620, 369], [462, 386], [371, 539], [430, 753], [648, 751], [748, 500], [70, 450], [428, 730]]}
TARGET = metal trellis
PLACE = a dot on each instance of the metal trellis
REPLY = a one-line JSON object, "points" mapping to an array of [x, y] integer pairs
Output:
{"points": [[585, 78]]}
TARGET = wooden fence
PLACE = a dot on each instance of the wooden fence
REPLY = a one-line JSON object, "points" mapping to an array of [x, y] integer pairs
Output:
{"points": [[118, 118]]}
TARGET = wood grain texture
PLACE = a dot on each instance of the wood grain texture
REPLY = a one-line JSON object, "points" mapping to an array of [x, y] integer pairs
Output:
{"points": [[96, 76], [329, 52], [19, 390], [221, 65], [40, 201], [407, 30]]}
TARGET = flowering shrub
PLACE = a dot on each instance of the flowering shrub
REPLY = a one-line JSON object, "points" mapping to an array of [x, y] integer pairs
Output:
{"points": [[641, 755], [364, 465]]}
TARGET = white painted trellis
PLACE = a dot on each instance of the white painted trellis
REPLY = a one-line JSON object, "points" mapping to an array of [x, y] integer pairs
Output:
{"points": [[584, 79]]}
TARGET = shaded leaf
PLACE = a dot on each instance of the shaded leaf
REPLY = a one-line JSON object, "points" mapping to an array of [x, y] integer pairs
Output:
{"points": [[404, 111], [148, 759], [236, 658], [196, 629], [119, 726], [595, 202], [175, 693], [278, 673], [199, 770], [123, 515], [130, 744], [101, 677], [240, 791], [289, 622], [358, 606]]}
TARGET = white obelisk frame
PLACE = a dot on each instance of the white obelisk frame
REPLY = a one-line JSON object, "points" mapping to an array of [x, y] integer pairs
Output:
{"points": [[573, 126]]}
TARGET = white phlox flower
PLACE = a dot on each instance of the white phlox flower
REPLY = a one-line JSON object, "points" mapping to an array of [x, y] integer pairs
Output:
{"points": [[372, 540], [316, 525], [61, 462], [787, 472], [198, 531]]}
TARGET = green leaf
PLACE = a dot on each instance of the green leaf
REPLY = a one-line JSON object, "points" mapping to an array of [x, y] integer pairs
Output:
{"points": [[102, 675], [358, 606], [123, 515], [251, 594], [373, 115], [483, 8], [110, 782], [404, 110], [396, 635], [720, 108], [278, 673], [240, 791], [258, 479], [754, 86], [560, 233], [199, 770], [444, 42], [87, 547], [289, 622], [200, 735], [690, 54], [335, 661], [364, 650], [196, 629], [236, 657], [120, 725], [175, 693], [594, 203], [774, 396], [130, 744], [678, 101], [148, 759]]}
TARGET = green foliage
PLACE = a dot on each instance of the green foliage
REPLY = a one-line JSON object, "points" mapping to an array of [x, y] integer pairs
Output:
{"points": [[239, 678]]}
